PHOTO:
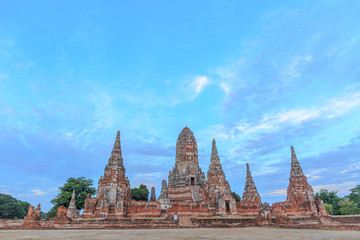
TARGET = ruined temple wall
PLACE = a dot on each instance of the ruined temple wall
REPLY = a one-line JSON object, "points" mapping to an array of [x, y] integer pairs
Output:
{"points": [[294, 210], [248, 209], [143, 209], [89, 209], [191, 209]]}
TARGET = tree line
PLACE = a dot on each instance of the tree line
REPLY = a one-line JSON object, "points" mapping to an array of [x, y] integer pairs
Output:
{"points": [[336, 205], [12, 208]]}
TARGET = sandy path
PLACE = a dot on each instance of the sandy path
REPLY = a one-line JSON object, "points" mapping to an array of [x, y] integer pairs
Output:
{"points": [[208, 233]]}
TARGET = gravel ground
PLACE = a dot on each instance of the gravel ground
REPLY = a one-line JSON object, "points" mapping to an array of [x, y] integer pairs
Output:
{"points": [[208, 233]]}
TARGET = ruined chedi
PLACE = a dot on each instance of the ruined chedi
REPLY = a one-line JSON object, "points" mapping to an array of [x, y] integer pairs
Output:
{"points": [[33, 215], [300, 198], [72, 211], [300, 194], [218, 188], [251, 201], [113, 188]]}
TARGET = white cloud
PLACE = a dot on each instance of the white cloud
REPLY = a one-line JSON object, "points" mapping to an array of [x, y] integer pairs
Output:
{"points": [[276, 193], [223, 73], [334, 108], [37, 192], [342, 188], [225, 87], [352, 167], [2, 186], [291, 70], [198, 84], [69, 134]]}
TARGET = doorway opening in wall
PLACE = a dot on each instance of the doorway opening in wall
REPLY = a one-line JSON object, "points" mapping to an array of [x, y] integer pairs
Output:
{"points": [[227, 205], [192, 181]]}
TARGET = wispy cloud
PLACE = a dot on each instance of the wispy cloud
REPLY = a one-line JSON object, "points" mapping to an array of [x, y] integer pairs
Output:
{"points": [[351, 168], [276, 193], [37, 192], [291, 71], [198, 85], [5, 191], [334, 108], [225, 87]]}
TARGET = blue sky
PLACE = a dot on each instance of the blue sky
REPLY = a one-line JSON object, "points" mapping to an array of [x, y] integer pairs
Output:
{"points": [[258, 76]]}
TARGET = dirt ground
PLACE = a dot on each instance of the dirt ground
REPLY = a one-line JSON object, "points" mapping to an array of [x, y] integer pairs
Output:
{"points": [[208, 233]]}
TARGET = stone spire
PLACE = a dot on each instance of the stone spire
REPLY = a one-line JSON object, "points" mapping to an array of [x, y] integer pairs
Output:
{"points": [[214, 154], [218, 188], [116, 156], [152, 196], [296, 170], [215, 167], [248, 173], [72, 211], [299, 193], [250, 193], [293, 155]]}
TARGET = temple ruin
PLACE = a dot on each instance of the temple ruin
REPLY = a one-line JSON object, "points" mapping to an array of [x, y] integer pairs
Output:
{"points": [[189, 192], [196, 199]]}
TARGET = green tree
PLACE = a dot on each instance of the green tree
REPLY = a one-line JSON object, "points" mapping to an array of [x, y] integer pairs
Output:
{"points": [[236, 196], [330, 198], [51, 213], [328, 208], [348, 207], [11, 207], [82, 186], [24, 207], [140, 194], [355, 195]]}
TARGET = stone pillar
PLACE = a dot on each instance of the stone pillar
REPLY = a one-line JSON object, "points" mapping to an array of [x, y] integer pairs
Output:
{"points": [[152, 196]]}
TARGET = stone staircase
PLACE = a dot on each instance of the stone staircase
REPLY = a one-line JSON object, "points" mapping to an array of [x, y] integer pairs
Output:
{"points": [[195, 194], [111, 211]]}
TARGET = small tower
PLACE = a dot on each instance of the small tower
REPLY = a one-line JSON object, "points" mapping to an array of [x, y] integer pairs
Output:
{"points": [[72, 211], [250, 203], [152, 196], [164, 198], [218, 188], [250, 193]]}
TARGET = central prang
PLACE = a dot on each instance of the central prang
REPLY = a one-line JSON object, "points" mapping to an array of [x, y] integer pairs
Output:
{"points": [[186, 180]]}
